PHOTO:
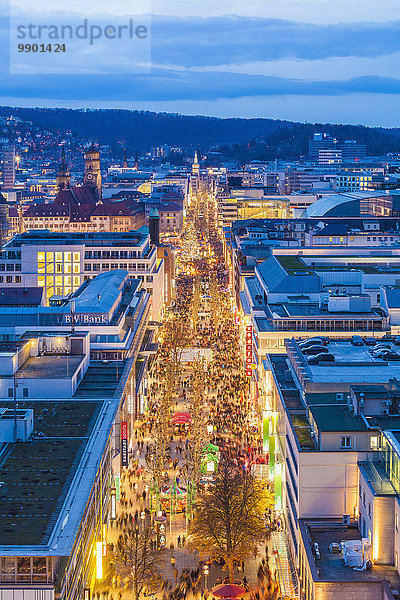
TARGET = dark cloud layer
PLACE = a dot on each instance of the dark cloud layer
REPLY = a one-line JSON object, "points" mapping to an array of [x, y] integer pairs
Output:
{"points": [[210, 42], [168, 85], [216, 41]]}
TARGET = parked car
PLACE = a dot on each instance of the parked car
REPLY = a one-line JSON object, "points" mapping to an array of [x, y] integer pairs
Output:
{"points": [[356, 340], [322, 357], [390, 356], [379, 353], [324, 341], [379, 349], [314, 350], [397, 340], [369, 341]]}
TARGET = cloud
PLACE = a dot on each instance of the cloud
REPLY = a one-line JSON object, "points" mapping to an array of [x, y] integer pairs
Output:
{"points": [[231, 39], [168, 86]]}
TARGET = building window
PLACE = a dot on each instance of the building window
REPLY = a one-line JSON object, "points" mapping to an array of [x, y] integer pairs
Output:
{"points": [[363, 498], [11, 392], [345, 442], [25, 392], [397, 521], [369, 509], [374, 442]]}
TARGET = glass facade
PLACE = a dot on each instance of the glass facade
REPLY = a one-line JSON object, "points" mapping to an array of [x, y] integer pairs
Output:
{"points": [[390, 455], [59, 272]]}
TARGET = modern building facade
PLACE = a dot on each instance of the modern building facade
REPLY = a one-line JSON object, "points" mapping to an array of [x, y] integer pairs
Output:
{"points": [[61, 262]]}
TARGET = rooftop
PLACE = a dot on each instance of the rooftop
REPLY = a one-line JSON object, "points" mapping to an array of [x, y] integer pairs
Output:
{"points": [[51, 367], [36, 474], [354, 365], [330, 567], [336, 417], [44, 237], [100, 380]]}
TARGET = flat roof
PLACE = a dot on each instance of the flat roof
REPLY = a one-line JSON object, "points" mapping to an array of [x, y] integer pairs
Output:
{"points": [[51, 367], [336, 417], [353, 365], [100, 380], [35, 474], [331, 566], [311, 309], [317, 398], [44, 237]]}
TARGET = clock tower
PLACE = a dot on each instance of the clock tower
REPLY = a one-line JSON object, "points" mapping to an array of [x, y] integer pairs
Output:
{"points": [[92, 176]]}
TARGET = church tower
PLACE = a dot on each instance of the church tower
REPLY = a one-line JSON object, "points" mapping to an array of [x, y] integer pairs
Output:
{"points": [[92, 176], [196, 166], [63, 175]]}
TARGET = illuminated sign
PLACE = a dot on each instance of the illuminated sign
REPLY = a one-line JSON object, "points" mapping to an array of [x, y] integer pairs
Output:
{"points": [[160, 532], [124, 444], [249, 349], [113, 504], [82, 319], [99, 560], [117, 486]]}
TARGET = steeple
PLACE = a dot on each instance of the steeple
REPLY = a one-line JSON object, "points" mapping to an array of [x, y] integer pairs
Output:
{"points": [[63, 175], [136, 166], [195, 165], [92, 176]]}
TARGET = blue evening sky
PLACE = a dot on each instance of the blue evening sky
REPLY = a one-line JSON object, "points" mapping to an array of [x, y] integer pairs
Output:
{"points": [[311, 60]]}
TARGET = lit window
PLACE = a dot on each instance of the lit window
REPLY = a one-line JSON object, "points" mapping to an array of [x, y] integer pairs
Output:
{"points": [[374, 442], [41, 281], [41, 256], [67, 256], [77, 257], [59, 256]]}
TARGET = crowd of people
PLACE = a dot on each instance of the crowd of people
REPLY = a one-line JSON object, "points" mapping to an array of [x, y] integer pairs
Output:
{"points": [[201, 267]]}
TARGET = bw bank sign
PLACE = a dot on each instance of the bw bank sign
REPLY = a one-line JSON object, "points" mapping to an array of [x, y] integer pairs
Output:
{"points": [[86, 319]]}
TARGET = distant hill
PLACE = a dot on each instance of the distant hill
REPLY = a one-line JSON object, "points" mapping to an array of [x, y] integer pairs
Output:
{"points": [[238, 138]]}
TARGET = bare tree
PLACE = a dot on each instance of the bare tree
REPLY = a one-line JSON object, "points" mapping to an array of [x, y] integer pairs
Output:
{"points": [[228, 521], [138, 562]]}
